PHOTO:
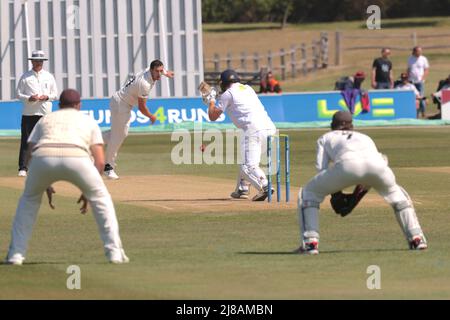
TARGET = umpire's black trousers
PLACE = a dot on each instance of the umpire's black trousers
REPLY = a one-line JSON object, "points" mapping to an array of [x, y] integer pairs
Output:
{"points": [[27, 125]]}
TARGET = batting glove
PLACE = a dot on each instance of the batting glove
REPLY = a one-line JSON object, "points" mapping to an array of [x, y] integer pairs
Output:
{"points": [[210, 97]]}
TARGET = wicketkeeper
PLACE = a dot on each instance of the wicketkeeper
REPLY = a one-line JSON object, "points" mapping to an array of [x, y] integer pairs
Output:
{"points": [[356, 162]]}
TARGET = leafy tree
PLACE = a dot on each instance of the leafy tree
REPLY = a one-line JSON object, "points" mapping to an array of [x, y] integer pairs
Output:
{"points": [[296, 11]]}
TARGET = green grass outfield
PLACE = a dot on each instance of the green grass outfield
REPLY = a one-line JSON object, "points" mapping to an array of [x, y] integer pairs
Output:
{"points": [[245, 255]]}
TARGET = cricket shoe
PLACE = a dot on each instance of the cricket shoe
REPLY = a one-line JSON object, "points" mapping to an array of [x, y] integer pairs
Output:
{"points": [[240, 194], [418, 243], [262, 195], [22, 173], [117, 257], [109, 172], [16, 259], [310, 246]]}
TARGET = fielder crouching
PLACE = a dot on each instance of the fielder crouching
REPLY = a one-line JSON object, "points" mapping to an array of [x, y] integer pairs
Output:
{"points": [[61, 145], [356, 162]]}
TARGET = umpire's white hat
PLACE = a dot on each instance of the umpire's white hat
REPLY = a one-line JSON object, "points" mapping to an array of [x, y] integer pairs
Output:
{"points": [[38, 55]]}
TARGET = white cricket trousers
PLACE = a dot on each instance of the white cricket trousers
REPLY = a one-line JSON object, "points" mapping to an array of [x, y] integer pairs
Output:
{"points": [[120, 124], [371, 172], [253, 146], [81, 172]]}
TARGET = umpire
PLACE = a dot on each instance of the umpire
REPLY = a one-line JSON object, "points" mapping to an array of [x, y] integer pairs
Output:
{"points": [[61, 145], [36, 89]]}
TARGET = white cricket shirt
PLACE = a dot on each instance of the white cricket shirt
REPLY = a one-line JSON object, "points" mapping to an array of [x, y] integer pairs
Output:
{"points": [[244, 108], [40, 83], [339, 145], [408, 86], [417, 66], [68, 127], [138, 86]]}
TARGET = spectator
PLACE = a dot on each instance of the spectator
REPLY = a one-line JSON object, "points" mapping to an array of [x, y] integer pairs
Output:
{"points": [[437, 96], [358, 79], [36, 89], [406, 85], [443, 85], [269, 84], [350, 82], [418, 68], [350, 88], [382, 77]]}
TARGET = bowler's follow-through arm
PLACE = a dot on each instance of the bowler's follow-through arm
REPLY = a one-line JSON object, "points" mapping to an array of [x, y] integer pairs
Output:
{"points": [[142, 102], [142, 105]]}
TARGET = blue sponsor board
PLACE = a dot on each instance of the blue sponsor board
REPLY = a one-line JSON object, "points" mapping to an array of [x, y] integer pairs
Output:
{"points": [[290, 107]]}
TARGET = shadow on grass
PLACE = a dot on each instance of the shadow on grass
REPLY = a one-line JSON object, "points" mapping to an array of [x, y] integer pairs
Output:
{"points": [[241, 28], [405, 24], [3, 263], [180, 200], [321, 252], [437, 55], [43, 263]]}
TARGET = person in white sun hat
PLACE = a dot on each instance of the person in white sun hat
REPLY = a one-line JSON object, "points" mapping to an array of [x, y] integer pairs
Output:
{"points": [[36, 89]]}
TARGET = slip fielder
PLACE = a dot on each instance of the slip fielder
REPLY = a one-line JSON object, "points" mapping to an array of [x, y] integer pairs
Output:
{"points": [[61, 146], [134, 92], [356, 162]]}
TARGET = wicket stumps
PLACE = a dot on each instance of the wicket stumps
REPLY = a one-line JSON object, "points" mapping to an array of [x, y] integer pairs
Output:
{"points": [[287, 179]]}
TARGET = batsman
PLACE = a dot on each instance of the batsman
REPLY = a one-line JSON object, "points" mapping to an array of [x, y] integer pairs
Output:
{"points": [[356, 161], [247, 112]]}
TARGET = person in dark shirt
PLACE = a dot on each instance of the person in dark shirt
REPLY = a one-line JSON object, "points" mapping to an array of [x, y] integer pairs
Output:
{"points": [[382, 77]]}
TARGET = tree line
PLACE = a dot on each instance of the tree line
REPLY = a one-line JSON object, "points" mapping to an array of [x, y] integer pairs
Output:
{"points": [[298, 11]]}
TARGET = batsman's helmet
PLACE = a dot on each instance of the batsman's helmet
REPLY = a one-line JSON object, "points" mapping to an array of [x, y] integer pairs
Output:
{"points": [[342, 120], [226, 77]]}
